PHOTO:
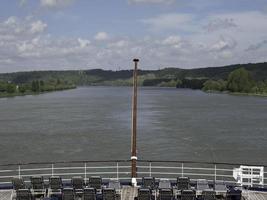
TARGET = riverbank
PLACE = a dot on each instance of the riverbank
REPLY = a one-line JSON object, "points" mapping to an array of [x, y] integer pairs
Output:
{"points": [[236, 93], [15, 94]]}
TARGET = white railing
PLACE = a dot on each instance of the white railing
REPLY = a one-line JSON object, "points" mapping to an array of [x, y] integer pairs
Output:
{"points": [[122, 170]]}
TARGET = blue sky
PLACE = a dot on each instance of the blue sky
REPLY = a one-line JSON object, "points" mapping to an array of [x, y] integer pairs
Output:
{"points": [[86, 34]]}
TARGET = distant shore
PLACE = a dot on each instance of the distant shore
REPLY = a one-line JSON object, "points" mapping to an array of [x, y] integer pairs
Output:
{"points": [[9, 95], [236, 93]]}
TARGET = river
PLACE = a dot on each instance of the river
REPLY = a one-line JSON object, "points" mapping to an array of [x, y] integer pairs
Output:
{"points": [[94, 123]]}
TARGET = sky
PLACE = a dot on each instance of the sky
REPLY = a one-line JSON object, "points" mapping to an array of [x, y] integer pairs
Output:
{"points": [[108, 34]]}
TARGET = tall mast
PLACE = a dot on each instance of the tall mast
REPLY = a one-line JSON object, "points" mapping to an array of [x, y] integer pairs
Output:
{"points": [[134, 122]]}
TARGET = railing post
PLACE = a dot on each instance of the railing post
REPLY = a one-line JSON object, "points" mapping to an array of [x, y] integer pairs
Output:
{"points": [[85, 171], [150, 171], [117, 171], [182, 169], [19, 171], [52, 168], [215, 172]]}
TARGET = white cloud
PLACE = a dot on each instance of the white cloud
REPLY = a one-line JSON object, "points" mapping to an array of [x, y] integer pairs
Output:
{"points": [[119, 44], [83, 43], [223, 44], [101, 36], [11, 20], [24, 46], [151, 1], [172, 40], [169, 21], [23, 2], [38, 27], [55, 3], [219, 23], [21, 48]]}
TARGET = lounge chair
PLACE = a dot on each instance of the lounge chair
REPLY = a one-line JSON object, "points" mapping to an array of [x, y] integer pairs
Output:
{"points": [[89, 194], [149, 182], [37, 184], [208, 195], [220, 188], [78, 185], [144, 194], [165, 194], [23, 194], [109, 194], [183, 183], [18, 183], [55, 186], [95, 182], [68, 194], [202, 184], [164, 184], [188, 195], [234, 194], [115, 184]]}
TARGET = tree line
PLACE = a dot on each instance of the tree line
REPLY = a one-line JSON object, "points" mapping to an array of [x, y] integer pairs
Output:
{"points": [[238, 81], [36, 86]]}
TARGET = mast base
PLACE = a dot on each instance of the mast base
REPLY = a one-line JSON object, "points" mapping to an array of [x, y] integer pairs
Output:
{"points": [[134, 182]]}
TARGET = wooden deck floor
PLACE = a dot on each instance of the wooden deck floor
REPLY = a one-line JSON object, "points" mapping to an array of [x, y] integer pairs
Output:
{"points": [[255, 195], [128, 193]]}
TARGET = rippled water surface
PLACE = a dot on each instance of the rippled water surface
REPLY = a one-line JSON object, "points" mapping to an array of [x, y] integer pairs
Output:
{"points": [[94, 123]]}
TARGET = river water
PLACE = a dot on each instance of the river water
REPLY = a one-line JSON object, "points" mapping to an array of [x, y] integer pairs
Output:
{"points": [[94, 123]]}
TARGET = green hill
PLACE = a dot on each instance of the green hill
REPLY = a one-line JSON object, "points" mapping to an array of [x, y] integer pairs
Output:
{"points": [[123, 77]]}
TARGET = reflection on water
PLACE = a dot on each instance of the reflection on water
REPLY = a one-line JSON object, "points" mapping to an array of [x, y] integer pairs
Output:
{"points": [[93, 123]]}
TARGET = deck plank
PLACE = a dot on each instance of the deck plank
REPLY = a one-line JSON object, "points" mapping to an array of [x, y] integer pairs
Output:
{"points": [[6, 195], [128, 193], [255, 196]]}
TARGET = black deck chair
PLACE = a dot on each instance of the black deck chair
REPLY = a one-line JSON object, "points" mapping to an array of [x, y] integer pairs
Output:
{"points": [[208, 195], [23, 194], [202, 184], [165, 194], [220, 187], [165, 184], [144, 194], [68, 194], [95, 182], [183, 183], [149, 182], [188, 195], [89, 194], [37, 184], [233, 194], [108, 194], [78, 185], [55, 186], [115, 184], [18, 183]]}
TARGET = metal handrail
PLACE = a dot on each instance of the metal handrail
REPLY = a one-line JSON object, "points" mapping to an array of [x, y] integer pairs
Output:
{"points": [[187, 168], [118, 170], [140, 161]]}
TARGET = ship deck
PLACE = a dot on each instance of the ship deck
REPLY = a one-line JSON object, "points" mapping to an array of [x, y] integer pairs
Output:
{"points": [[121, 170], [128, 193]]}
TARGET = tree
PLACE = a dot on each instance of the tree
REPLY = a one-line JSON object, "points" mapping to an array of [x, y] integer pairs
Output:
{"points": [[11, 88], [58, 81], [22, 89], [35, 86], [240, 80], [3, 86], [42, 85], [211, 85]]}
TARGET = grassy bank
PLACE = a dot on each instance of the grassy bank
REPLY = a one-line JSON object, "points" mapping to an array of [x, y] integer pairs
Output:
{"points": [[5, 94], [237, 93]]}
